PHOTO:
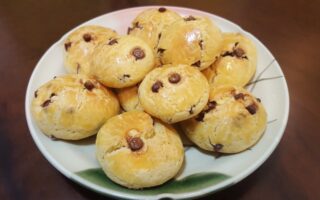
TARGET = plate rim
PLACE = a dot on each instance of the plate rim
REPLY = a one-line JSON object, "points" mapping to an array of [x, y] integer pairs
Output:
{"points": [[205, 191]]}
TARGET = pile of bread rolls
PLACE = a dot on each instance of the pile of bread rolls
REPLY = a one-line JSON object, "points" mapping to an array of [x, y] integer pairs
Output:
{"points": [[130, 89]]}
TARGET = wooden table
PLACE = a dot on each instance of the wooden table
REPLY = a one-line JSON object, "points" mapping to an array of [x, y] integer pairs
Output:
{"points": [[290, 29]]}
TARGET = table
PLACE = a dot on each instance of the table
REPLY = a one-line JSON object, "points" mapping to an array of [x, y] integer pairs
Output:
{"points": [[290, 29]]}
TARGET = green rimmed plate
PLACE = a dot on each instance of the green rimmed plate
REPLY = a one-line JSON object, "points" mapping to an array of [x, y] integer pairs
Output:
{"points": [[202, 173]]}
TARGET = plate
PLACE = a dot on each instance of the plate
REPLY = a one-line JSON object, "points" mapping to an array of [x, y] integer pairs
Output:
{"points": [[202, 173]]}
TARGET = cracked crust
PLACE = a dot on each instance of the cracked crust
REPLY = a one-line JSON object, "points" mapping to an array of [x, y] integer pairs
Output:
{"points": [[158, 160], [236, 64], [73, 111], [234, 124], [80, 44], [172, 102], [197, 41], [122, 64]]}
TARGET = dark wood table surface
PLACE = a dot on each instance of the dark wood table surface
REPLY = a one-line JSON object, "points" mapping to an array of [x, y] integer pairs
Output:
{"points": [[290, 29]]}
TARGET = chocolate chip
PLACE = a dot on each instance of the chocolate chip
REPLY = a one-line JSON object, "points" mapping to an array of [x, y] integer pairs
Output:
{"points": [[190, 18], [162, 9], [159, 36], [113, 41], [124, 76], [88, 85], [160, 50], [239, 52], [252, 109], [53, 94], [78, 68], [259, 100], [191, 109], [200, 116], [46, 103], [53, 137], [174, 78], [201, 44], [138, 53], [135, 143], [137, 25], [54, 77], [156, 86], [87, 37], [211, 105], [227, 53], [36, 94], [236, 44], [216, 58], [67, 45], [196, 64], [217, 147], [129, 30], [239, 96]]}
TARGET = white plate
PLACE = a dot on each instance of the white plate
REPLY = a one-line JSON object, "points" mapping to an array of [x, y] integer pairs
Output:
{"points": [[202, 173]]}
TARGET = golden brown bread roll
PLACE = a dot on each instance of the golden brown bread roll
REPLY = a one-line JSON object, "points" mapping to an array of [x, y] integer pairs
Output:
{"points": [[121, 62], [73, 107], [174, 93], [80, 44], [236, 64], [192, 41], [137, 152], [232, 121]]}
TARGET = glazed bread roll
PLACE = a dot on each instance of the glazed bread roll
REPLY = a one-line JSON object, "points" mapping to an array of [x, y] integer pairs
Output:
{"points": [[174, 93], [236, 64], [122, 61], [138, 152], [232, 121], [149, 24], [192, 41], [72, 107], [80, 44]]}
